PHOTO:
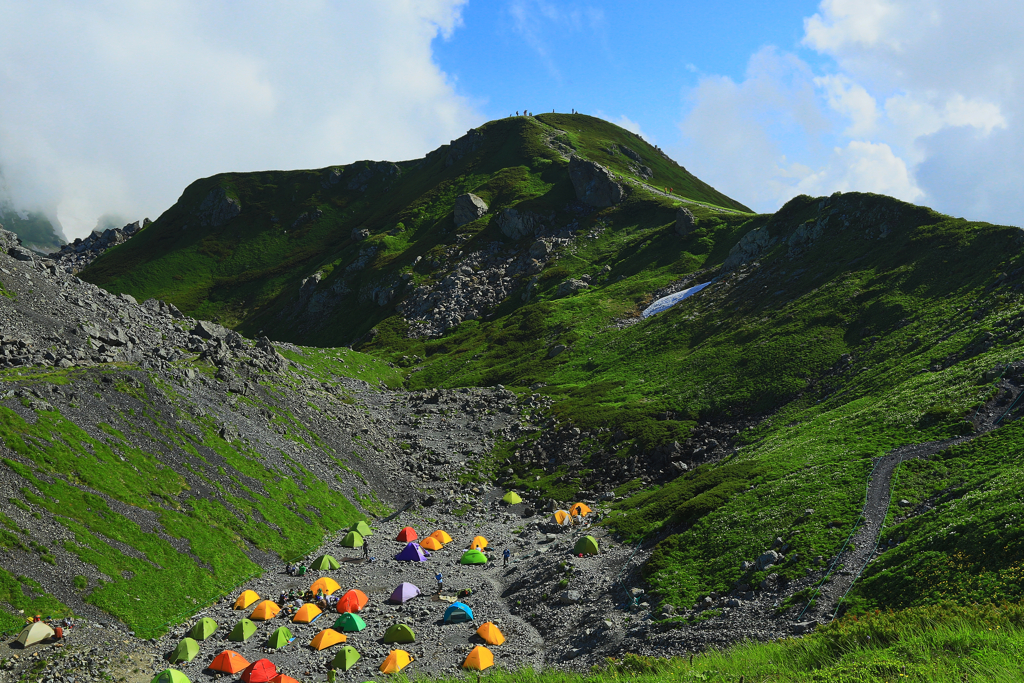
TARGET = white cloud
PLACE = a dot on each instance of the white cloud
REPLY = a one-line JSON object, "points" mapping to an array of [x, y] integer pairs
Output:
{"points": [[852, 101], [117, 107], [863, 167]]}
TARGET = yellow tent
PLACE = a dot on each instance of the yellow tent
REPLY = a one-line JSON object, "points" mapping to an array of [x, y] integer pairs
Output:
{"points": [[246, 599], [479, 542], [561, 517], [431, 543], [395, 662], [326, 638], [490, 633], [33, 633], [267, 609], [442, 536], [479, 658], [306, 614], [579, 510], [325, 584]]}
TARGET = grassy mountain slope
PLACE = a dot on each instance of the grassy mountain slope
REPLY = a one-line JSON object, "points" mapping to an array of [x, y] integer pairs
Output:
{"points": [[34, 229]]}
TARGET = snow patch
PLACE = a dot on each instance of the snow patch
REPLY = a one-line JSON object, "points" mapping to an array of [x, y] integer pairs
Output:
{"points": [[667, 302]]}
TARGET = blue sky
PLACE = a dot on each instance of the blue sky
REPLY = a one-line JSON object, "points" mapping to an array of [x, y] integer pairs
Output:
{"points": [[116, 107]]}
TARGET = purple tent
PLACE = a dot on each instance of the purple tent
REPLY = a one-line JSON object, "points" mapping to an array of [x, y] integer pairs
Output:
{"points": [[405, 591], [413, 553]]}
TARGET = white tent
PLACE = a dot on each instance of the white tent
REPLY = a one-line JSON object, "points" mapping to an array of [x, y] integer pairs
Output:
{"points": [[33, 633]]}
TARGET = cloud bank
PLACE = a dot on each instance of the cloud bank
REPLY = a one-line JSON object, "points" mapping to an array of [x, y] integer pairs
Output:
{"points": [[919, 99], [116, 107]]}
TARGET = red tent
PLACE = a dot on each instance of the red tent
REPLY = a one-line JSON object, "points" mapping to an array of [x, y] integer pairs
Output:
{"points": [[407, 534], [352, 601], [260, 671], [281, 678]]}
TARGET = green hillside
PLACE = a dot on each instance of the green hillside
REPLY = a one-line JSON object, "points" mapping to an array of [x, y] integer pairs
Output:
{"points": [[34, 229]]}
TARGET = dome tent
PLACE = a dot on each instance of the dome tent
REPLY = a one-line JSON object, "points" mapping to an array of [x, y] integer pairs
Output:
{"points": [[325, 584], [327, 638], [491, 634], [511, 498], [242, 631], [203, 629], [587, 545], [361, 528], [185, 651], [457, 613], [170, 676], [228, 662], [353, 539], [473, 556], [245, 599], [325, 563], [479, 658], [412, 553], [442, 536], [395, 662], [345, 659], [399, 633], [406, 535], [404, 592], [260, 671], [349, 623], [280, 637], [33, 633]]}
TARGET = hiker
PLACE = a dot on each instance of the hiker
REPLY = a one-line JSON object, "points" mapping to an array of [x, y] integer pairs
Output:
{"points": [[440, 583], [507, 554], [366, 549], [332, 676]]}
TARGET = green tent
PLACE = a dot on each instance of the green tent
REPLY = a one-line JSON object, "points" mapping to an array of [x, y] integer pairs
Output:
{"points": [[511, 498], [473, 556], [349, 622], [325, 562], [242, 631], [363, 529], [279, 638], [170, 676], [586, 545], [186, 651], [399, 633], [203, 629], [345, 659], [353, 539]]}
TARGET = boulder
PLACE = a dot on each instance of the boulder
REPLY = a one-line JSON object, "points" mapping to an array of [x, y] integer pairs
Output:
{"points": [[570, 286], [802, 627], [516, 224], [468, 207], [752, 245], [208, 330], [684, 221], [569, 597], [768, 559], [540, 249], [359, 234], [20, 253], [594, 184]]}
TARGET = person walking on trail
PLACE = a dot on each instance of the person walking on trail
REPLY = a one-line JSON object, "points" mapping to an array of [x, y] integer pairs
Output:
{"points": [[507, 554], [440, 583], [366, 550]]}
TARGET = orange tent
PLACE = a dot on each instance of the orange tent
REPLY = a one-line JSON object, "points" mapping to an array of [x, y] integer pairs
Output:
{"points": [[579, 510], [327, 638], [442, 536], [246, 599], [306, 614], [490, 633], [229, 662], [479, 658], [395, 662], [352, 601], [431, 543], [479, 542], [267, 609], [281, 678], [325, 584], [407, 535]]}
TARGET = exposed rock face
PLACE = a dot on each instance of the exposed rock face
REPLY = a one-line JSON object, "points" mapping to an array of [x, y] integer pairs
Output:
{"points": [[684, 221], [360, 234], [217, 208], [468, 207], [517, 224], [570, 286], [467, 144], [750, 246], [361, 173], [76, 255], [594, 184]]}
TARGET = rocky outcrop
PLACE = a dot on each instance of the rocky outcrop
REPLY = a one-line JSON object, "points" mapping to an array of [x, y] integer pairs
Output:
{"points": [[468, 207], [76, 255], [516, 224], [594, 184], [685, 221], [751, 246], [361, 173], [467, 144], [217, 208], [571, 286]]}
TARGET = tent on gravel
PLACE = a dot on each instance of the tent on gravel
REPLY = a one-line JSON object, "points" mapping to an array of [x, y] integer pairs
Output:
{"points": [[395, 662], [170, 676], [361, 528], [349, 623], [281, 678], [325, 563], [246, 599], [478, 542], [405, 591], [33, 633], [185, 651], [431, 543], [562, 517], [587, 545], [203, 629], [325, 584], [511, 498], [479, 658], [473, 556], [260, 671], [306, 614], [242, 631], [352, 601], [442, 536], [327, 638], [399, 633], [579, 510], [413, 553], [280, 637], [457, 613], [353, 539], [407, 534], [490, 633], [345, 659], [267, 609], [228, 662]]}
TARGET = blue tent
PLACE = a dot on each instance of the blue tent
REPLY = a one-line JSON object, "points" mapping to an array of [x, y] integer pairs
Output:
{"points": [[457, 613], [413, 553]]}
